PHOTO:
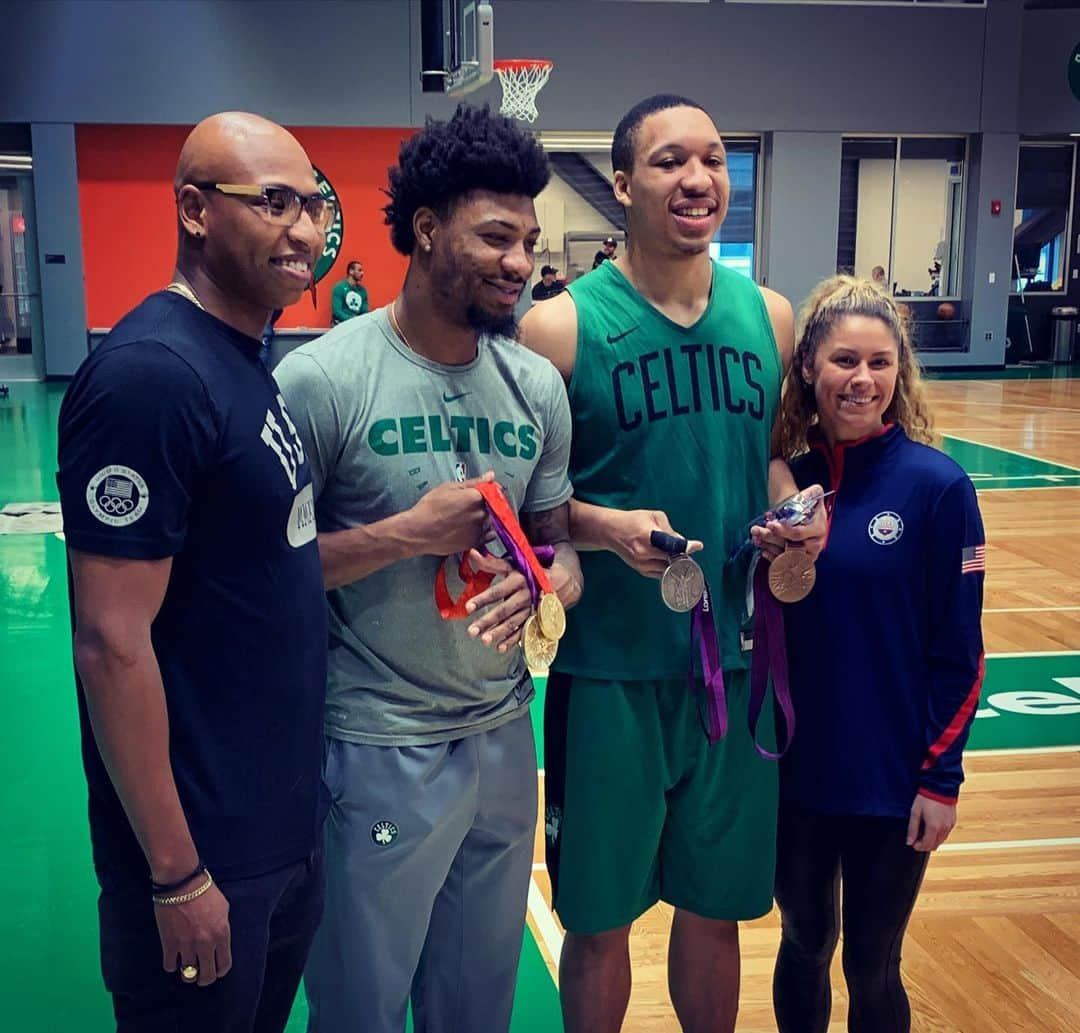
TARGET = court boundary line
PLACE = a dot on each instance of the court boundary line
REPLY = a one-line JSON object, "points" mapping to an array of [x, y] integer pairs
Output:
{"points": [[977, 478], [1030, 609], [1039, 408], [1021, 656], [545, 925], [979, 430], [1014, 751], [1011, 844], [1030, 487]]}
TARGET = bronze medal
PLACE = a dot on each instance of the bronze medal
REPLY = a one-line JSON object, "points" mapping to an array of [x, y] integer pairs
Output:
{"points": [[791, 576], [539, 650], [682, 584], [551, 616]]}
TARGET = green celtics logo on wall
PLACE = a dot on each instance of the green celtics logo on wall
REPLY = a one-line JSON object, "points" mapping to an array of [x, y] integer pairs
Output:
{"points": [[1074, 72], [335, 235]]}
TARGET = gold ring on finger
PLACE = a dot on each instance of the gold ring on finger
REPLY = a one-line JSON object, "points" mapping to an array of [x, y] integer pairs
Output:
{"points": [[189, 973]]}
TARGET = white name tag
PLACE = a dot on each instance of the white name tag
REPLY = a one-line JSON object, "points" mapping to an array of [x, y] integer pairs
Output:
{"points": [[301, 529]]}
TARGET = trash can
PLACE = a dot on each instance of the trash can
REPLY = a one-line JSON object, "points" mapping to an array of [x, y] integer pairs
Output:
{"points": [[1063, 333]]}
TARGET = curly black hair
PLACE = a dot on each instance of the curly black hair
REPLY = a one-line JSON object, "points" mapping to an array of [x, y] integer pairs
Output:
{"points": [[474, 150]]}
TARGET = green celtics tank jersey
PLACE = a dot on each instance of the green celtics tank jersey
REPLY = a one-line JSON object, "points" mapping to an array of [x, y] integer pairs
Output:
{"points": [[677, 419]]}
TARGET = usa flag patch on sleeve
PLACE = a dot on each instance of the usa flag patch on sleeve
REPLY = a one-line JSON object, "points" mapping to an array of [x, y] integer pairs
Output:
{"points": [[973, 560]]}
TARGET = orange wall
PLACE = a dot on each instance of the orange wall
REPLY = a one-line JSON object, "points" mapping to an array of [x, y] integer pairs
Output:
{"points": [[129, 221]]}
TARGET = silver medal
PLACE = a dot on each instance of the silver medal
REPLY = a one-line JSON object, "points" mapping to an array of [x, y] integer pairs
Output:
{"points": [[682, 584]]}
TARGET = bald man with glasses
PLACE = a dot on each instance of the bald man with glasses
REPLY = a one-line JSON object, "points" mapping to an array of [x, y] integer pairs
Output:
{"points": [[198, 608]]}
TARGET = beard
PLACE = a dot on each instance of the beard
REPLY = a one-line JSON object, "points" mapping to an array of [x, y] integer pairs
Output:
{"points": [[488, 323], [454, 282]]}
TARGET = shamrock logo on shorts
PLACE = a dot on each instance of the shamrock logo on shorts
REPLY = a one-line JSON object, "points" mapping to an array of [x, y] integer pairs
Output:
{"points": [[384, 833], [552, 821]]}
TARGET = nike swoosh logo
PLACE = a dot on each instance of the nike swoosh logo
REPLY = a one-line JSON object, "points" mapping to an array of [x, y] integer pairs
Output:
{"points": [[612, 338], [453, 398]]}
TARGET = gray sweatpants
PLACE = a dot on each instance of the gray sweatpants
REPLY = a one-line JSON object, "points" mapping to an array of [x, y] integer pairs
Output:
{"points": [[428, 859]]}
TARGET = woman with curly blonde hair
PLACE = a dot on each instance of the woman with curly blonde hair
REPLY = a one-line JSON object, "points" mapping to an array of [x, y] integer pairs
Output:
{"points": [[885, 660], [832, 301]]}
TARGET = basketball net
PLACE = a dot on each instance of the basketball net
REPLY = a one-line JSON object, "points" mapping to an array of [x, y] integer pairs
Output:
{"points": [[521, 81]]}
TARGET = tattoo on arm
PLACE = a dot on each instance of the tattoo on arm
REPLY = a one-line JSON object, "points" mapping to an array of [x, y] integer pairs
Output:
{"points": [[548, 527]]}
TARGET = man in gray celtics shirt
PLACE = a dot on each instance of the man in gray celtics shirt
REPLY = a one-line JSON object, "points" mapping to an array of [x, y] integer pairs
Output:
{"points": [[430, 757]]}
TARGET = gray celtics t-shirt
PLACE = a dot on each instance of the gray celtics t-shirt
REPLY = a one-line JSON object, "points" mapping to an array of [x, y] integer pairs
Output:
{"points": [[381, 426]]}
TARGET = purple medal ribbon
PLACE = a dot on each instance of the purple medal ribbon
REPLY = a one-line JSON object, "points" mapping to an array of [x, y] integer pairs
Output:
{"points": [[518, 558], [770, 656], [703, 636], [544, 554]]}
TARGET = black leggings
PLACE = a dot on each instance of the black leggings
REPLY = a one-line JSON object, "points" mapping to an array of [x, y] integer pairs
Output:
{"points": [[881, 876]]}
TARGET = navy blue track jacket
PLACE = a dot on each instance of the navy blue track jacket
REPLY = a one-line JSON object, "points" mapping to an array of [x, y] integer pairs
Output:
{"points": [[886, 653]]}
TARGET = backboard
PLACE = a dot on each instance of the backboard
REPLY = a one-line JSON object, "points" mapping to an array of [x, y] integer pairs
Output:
{"points": [[456, 45]]}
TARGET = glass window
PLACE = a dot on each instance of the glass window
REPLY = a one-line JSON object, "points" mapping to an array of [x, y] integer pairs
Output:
{"points": [[1043, 212], [735, 244], [901, 213], [929, 206], [864, 243]]}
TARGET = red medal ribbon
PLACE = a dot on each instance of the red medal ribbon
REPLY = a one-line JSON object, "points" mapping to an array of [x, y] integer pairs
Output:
{"points": [[476, 581], [513, 538], [521, 553]]}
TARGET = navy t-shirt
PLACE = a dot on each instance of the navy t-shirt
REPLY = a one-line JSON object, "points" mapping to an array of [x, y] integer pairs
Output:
{"points": [[174, 442]]}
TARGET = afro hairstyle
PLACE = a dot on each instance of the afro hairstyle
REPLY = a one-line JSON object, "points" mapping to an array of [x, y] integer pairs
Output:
{"points": [[446, 161]]}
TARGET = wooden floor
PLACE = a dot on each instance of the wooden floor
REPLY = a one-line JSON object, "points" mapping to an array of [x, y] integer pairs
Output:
{"points": [[994, 946]]}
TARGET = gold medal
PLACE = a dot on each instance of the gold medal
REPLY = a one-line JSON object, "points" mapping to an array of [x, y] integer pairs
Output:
{"points": [[551, 616], [791, 576], [539, 650]]}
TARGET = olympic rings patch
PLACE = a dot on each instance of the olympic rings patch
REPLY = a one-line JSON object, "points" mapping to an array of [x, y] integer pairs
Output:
{"points": [[117, 495]]}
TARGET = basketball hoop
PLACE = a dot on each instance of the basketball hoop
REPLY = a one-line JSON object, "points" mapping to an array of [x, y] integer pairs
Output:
{"points": [[522, 79]]}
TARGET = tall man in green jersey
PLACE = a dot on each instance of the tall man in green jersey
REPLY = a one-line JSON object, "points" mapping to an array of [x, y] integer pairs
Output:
{"points": [[673, 365]]}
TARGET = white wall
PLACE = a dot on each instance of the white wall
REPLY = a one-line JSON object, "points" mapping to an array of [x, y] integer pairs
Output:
{"points": [[920, 221], [874, 215]]}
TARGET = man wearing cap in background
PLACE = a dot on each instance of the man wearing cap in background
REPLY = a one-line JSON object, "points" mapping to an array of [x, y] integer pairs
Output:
{"points": [[549, 284], [606, 252]]}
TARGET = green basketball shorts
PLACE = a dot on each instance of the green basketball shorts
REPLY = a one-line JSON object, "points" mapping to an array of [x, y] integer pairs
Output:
{"points": [[640, 808]]}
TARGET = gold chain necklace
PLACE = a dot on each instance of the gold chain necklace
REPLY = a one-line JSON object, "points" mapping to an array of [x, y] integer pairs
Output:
{"points": [[176, 287], [397, 328]]}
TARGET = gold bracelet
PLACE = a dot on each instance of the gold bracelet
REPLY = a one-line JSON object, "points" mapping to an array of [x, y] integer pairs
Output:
{"points": [[183, 898]]}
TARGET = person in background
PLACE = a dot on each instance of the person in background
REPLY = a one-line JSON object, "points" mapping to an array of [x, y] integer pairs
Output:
{"points": [[350, 296], [549, 284], [606, 252]]}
